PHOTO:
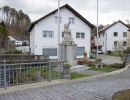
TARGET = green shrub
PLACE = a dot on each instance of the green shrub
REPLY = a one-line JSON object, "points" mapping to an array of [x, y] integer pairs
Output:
{"points": [[17, 52], [14, 52], [117, 65], [67, 65], [109, 52]]}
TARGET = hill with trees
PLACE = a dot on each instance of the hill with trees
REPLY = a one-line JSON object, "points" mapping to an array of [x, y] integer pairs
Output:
{"points": [[12, 22]]}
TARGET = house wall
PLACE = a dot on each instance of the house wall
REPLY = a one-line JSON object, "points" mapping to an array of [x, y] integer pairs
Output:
{"points": [[17, 42], [32, 41], [129, 38], [109, 38], [38, 42]]}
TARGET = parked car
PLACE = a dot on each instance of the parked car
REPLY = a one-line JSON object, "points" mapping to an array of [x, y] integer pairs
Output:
{"points": [[100, 52]]}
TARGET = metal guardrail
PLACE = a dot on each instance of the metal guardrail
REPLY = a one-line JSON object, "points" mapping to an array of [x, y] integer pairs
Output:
{"points": [[23, 73]]}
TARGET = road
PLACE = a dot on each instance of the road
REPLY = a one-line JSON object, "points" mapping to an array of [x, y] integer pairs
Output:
{"points": [[109, 59], [99, 88]]}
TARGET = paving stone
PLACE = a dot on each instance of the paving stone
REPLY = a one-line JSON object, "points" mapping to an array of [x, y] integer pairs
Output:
{"points": [[101, 88]]}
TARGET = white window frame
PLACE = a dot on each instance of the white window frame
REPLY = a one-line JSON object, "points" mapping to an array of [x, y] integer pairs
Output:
{"points": [[124, 34], [80, 35], [62, 34], [54, 50], [48, 34], [71, 20], [56, 19], [114, 34], [116, 43], [125, 43], [79, 53]]}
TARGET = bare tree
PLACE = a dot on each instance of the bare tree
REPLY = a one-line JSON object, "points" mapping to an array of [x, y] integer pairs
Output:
{"points": [[122, 51]]}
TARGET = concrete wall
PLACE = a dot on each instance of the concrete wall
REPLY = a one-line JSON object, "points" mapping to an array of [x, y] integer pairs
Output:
{"points": [[24, 49]]}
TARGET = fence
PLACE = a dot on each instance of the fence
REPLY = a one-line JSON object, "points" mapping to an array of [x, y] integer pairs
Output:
{"points": [[21, 58], [23, 73]]}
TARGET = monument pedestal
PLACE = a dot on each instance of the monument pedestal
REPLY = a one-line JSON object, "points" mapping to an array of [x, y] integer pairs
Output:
{"points": [[68, 47], [68, 51]]}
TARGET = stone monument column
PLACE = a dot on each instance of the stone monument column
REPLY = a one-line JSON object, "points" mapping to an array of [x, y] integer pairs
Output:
{"points": [[68, 47]]}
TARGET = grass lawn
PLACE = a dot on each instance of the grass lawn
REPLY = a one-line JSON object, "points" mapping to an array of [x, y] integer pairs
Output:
{"points": [[54, 74], [114, 54], [76, 75], [104, 69], [122, 95], [44, 72]]}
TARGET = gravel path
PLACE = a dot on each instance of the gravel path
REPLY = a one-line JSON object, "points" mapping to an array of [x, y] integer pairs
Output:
{"points": [[100, 88]]}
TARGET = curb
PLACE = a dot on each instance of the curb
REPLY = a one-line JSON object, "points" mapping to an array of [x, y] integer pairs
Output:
{"points": [[31, 86]]}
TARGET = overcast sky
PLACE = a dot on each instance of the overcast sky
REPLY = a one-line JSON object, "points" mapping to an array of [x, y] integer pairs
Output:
{"points": [[109, 10]]}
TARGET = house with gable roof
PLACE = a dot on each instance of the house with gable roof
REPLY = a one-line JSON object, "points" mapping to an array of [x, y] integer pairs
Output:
{"points": [[44, 32], [110, 35]]}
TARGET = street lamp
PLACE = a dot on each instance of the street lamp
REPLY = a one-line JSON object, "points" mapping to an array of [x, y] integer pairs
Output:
{"points": [[97, 32]]}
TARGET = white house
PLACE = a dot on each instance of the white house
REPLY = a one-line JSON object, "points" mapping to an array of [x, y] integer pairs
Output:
{"points": [[44, 32], [110, 35], [15, 41], [18, 40]]}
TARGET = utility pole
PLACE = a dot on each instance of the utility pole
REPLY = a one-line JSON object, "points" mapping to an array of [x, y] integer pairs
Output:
{"points": [[58, 50], [97, 32]]}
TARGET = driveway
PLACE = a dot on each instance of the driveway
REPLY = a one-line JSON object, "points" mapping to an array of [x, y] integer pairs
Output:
{"points": [[98, 88], [109, 59]]}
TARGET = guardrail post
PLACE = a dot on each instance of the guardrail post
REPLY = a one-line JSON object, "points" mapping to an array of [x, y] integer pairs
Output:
{"points": [[5, 85], [49, 71], [58, 63]]}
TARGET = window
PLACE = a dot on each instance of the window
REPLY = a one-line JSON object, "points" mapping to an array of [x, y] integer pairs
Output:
{"points": [[80, 35], [124, 43], [115, 43], [48, 34], [71, 20], [50, 51], [77, 35], [115, 34], [62, 34], [124, 34], [80, 51], [56, 19]]}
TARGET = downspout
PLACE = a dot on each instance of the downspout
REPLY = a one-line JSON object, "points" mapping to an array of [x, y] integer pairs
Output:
{"points": [[105, 43]]}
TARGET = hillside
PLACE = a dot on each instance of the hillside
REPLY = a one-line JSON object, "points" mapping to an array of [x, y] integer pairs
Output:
{"points": [[12, 23]]}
